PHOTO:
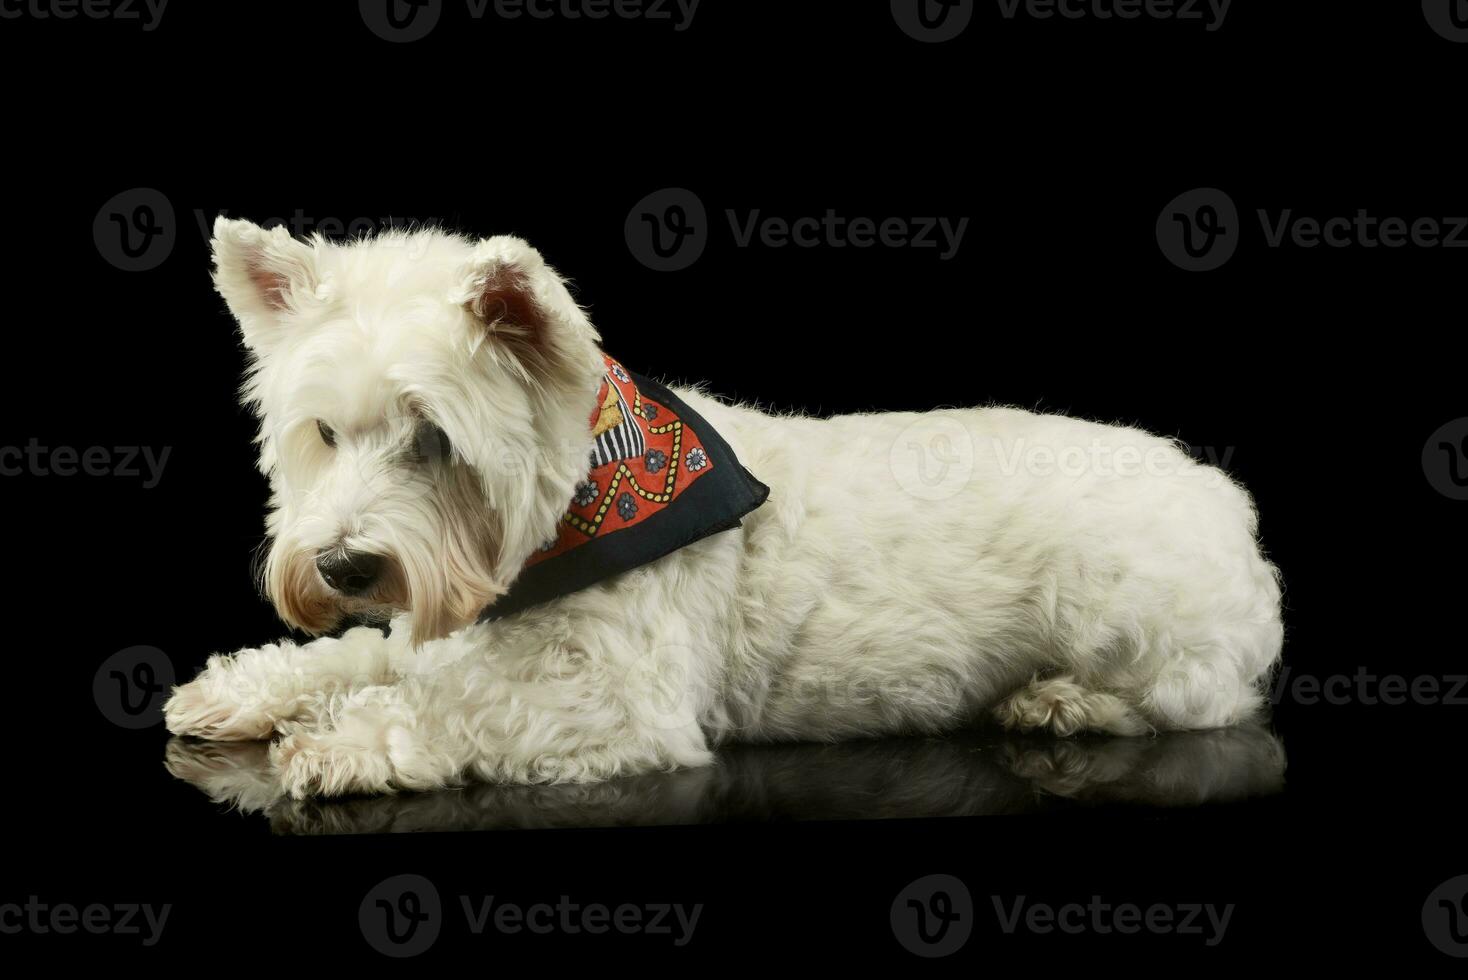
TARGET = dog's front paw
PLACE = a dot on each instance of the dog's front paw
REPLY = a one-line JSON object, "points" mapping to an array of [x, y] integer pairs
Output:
{"points": [[326, 764], [365, 742], [204, 708]]}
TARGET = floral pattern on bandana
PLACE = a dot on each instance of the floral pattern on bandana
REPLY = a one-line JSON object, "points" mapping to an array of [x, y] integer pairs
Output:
{"points": [[647, 457]]}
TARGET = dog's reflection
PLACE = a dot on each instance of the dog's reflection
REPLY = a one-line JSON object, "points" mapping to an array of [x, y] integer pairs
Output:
{"points": [[962, 775]]}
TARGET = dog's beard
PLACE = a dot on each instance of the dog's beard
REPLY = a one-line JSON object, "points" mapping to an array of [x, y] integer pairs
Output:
{"points": [[295, 588], [440, 554]]}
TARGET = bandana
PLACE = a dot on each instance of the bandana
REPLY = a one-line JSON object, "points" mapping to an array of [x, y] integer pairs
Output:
{"points": [[661, 478]]}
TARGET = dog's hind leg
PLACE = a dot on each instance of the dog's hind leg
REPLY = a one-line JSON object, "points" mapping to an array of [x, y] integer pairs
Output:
{"points": [[1063, 707], [246, 695]]}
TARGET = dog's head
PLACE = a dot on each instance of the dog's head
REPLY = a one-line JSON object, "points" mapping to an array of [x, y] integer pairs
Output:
{"points": [[423, 403]]}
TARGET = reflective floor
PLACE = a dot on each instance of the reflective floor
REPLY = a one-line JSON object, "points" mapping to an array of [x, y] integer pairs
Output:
{"points": [[965, 774]]}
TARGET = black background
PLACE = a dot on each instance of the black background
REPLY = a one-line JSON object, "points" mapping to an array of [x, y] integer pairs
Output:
{"points": [[1323, 370]]}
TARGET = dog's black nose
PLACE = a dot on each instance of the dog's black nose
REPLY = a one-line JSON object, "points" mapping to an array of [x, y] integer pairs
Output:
{"points": [[349, 572]]}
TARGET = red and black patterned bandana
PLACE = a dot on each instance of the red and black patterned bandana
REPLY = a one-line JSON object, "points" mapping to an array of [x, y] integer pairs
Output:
{"points": [[660, 479]]}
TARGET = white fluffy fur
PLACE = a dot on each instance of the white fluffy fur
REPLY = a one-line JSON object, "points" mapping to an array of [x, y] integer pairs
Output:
{"points": [[1097, 597]]}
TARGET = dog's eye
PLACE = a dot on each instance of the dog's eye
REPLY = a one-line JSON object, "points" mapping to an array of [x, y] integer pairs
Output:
{"points": [[430, 444], [328, 435]]}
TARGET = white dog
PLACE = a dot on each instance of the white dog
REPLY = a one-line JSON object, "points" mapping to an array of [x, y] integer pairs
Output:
{"points": [[431, 413]]}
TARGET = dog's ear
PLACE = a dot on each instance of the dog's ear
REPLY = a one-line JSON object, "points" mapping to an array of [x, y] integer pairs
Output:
{"points": [[263, 275], [521, 308]]}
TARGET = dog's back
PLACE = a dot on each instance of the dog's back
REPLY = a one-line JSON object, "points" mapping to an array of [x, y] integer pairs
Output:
{"points": [[910, 570]]}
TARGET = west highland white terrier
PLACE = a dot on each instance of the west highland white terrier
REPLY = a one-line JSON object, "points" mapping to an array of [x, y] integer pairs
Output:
{"points": [[581, 577]]}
